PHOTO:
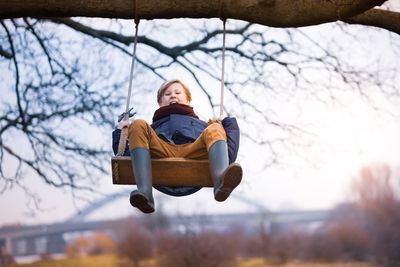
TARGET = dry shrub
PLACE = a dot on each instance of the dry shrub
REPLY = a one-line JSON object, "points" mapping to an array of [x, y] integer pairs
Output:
{"points": [[286, 246], [79, 247], [322, 248], [352, 241], [5, 257], [135, 243], [338, 242], [209, 249], [257, 244], [98, 243], [102, 244]]}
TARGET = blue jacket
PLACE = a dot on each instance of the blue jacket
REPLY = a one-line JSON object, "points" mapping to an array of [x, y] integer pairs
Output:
{"points": [[182, 129]]}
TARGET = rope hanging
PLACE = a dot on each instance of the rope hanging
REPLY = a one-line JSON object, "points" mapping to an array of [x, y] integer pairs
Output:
{"points": [[221, 107], [223, 18], [131, 72], [132, 64], [124, 131]]}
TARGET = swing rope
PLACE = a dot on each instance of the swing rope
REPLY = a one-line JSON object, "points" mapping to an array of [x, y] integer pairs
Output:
{"points": [[221, 107], [131, 72], [124, 131], [133, 62], [223, 18]]}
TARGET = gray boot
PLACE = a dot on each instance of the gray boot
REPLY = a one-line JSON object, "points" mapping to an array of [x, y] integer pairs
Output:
{"points": [[141, 164], [225, 177]]}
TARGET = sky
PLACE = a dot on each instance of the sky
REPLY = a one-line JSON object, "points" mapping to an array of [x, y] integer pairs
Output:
{"points": [[346, 137]]}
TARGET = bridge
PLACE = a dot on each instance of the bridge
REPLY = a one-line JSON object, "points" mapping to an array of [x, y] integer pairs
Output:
{"points": [[50, 238]]}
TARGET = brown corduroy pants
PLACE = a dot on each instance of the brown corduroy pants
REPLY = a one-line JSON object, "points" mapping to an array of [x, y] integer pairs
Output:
{"points": [[141, 135]]}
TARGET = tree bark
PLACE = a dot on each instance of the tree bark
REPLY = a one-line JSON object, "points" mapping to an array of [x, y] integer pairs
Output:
{"points": [[276, 13]]}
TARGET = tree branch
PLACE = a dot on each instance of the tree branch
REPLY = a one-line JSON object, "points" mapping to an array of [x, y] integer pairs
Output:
{"points": [[5, 53], [380, 18], [102, 35], [282, 13], [14, 58]]}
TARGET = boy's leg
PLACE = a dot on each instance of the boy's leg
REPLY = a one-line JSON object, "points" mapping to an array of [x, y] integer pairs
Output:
{"points": [[141, 165], [141, 135], [226, 177], [144, 144], [212, 144]]}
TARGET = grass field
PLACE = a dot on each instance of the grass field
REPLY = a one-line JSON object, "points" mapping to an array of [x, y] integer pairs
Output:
{"points": [[113, 261]]}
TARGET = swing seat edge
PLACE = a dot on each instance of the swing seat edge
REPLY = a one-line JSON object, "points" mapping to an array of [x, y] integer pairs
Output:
{"points": [[174, 172]]}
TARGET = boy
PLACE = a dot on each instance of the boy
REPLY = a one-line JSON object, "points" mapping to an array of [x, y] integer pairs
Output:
{"points": [[176, 131]]}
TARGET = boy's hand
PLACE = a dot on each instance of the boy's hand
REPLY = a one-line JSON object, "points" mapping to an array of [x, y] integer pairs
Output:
{"points": [[123, 124], [216, 119]]}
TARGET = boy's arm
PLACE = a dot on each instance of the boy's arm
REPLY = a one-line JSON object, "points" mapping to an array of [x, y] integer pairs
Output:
{"points": [[116, 135], [233, 137]]}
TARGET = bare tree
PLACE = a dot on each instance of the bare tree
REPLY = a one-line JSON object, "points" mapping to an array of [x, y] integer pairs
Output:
{"points": [[45, 108], [377, 195]]}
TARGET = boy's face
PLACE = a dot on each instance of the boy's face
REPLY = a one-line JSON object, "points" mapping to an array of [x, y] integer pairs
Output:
{"points": [[174, 94]]}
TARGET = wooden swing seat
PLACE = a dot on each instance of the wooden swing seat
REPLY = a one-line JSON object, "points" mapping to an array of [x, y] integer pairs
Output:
{"points": [[166, 172]]}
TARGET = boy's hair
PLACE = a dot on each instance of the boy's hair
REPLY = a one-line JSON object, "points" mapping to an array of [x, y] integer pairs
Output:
{"points": [[166, 84]]}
